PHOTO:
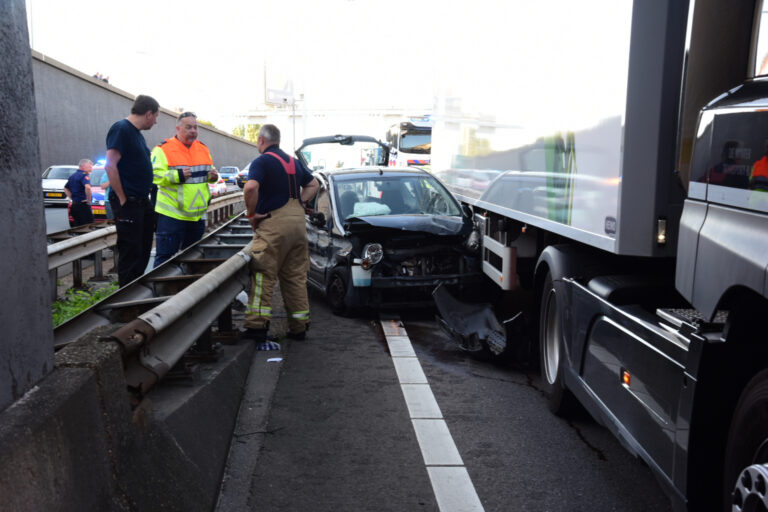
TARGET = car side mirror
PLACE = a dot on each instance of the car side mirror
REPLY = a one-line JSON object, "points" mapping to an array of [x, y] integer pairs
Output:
{"points": [[317, 219]]}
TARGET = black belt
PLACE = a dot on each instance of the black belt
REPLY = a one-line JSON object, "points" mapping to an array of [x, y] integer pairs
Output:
{"points": [[141, 201]]}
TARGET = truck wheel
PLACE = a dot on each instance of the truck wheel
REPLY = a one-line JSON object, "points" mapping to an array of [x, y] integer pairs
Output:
{"points": [[746, 457], [337, 292], [560, 400]]}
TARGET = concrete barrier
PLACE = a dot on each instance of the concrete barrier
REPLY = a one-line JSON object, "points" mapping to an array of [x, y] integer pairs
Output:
{"points": [[73, 443], [75, 111]]}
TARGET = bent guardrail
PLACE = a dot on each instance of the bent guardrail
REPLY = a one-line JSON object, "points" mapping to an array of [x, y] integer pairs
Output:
{"points": [[155, 341], [160, 315]]}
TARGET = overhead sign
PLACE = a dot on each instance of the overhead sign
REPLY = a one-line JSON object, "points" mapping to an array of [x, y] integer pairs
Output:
{"points": [[279, 97]]}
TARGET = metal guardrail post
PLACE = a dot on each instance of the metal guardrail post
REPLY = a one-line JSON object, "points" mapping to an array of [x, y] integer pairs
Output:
{"points": [[98, 267], [77, 273]]}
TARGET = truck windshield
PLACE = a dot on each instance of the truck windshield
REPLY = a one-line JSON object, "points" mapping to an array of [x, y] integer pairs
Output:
{"points": [[416, 142]]}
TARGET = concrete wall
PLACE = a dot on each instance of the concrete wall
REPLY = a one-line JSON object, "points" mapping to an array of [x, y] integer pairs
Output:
{"points": [[26, 341], [75, 111], [73, 443]]}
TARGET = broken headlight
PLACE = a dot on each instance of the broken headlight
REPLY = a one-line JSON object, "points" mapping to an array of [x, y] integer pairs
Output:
{"points": [[372, 254]]}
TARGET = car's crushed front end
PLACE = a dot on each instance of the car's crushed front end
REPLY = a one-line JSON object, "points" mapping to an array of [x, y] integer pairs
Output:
{"points": [[399, 260], [408, 235]]}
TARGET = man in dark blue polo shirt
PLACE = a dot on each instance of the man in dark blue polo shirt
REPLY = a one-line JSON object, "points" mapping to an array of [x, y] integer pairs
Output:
{"points": [[78, 190], [277, 188], [130, 176]]}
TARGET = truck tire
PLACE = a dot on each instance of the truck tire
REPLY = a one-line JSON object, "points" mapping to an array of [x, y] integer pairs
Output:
{"points": [[336, 292], [745, 484], [560, 401]]}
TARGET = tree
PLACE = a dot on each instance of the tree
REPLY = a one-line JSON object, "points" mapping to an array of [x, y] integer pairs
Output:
{"points": [[248, 132]]}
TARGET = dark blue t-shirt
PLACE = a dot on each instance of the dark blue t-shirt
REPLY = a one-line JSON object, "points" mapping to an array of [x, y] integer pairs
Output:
{"points": [[275, 185], [76, 185], [135, 165]]}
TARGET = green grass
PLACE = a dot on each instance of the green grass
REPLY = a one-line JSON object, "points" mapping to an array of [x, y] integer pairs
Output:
{"points": [[75, 301]]}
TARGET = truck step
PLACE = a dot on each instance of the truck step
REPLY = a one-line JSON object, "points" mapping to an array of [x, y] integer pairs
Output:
{"points": [[691, 320]]}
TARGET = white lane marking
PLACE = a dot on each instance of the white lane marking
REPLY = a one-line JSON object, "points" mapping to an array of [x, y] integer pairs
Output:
{"points": [[454, 490], [400, 346], [409, 370], [421, 402], [393, 327], [450, 480], [436, 443]]}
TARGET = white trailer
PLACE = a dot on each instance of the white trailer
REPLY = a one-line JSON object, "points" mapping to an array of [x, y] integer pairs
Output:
{"points": [[614, 155]]}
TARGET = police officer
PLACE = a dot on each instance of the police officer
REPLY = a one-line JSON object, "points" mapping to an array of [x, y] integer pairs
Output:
{"points": [[78, 190], [183, 167], [278, 185]]}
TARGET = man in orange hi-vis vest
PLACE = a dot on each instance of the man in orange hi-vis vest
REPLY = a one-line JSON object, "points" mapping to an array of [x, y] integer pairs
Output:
{"points": [[183, 167]]}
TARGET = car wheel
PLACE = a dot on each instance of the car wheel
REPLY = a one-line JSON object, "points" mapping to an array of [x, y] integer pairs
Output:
{"points": [[745, 473], [559, 399], [337, 292]]}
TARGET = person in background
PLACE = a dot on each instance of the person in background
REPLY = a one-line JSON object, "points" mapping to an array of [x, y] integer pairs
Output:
{"points": [[278, 186], [78, 190], [182, 167], [130, 177]]}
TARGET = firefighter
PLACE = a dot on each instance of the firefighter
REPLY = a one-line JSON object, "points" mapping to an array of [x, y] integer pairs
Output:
{"points": [[182, 168], [277, 188]]}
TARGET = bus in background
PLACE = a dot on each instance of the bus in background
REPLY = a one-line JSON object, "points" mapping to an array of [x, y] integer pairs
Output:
{"points": [[410, 142]]}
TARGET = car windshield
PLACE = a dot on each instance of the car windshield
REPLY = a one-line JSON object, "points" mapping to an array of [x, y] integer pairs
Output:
{"points": [[58, 173], [362, 196], [228, 170], [342, 156]]}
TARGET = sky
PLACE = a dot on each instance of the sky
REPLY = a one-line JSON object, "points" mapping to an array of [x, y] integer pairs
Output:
{"points": [[212, 56]]}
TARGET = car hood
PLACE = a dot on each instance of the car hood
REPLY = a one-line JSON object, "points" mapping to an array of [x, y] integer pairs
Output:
{"points": [[424, 223], [48, 183]]}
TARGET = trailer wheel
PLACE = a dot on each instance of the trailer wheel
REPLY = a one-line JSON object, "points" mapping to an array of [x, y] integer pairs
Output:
{"points": [[745, 485], [560, 400], [337, 292]]}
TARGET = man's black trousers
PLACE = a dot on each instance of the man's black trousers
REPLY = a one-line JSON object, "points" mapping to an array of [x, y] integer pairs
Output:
{"points": [[135, 223], [81, 213]]}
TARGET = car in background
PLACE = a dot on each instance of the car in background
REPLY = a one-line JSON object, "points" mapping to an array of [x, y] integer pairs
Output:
{"points": [[54, 179], [242, 176], [98, 197], [229, 173], [219, 187], [382, 236]]}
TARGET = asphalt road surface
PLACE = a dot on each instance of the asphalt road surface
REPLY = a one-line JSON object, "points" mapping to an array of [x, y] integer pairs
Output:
{"points": [[336, 433]]}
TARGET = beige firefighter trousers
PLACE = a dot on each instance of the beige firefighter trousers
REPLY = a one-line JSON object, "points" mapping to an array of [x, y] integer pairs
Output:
{"points": [[279, 251]]}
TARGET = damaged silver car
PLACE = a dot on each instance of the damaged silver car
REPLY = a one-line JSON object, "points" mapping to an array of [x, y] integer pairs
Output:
{"points": [[381, 236]]}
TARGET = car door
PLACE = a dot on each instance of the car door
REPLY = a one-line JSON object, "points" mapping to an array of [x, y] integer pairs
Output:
{"points": [[319, 235]]}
